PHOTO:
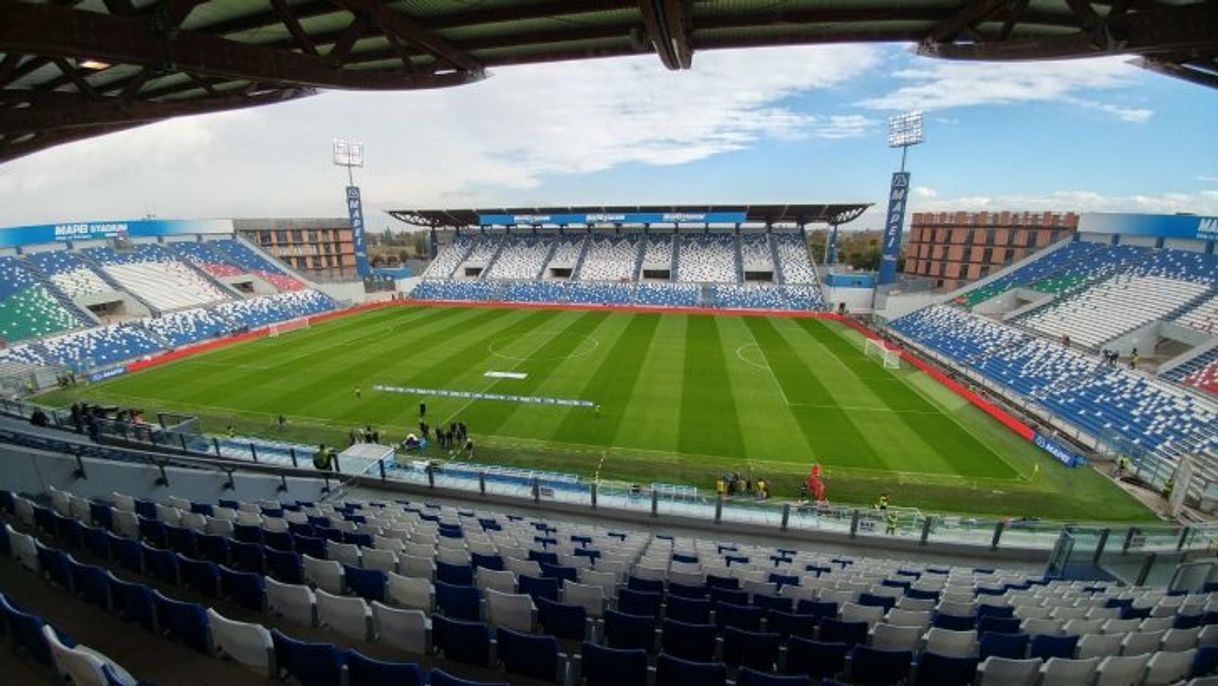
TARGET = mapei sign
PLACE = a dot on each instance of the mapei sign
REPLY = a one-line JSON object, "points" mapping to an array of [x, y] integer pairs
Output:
{"points": [[894, 223], [1057, 450], [613, 218], [1186, 226], [132, 228]]}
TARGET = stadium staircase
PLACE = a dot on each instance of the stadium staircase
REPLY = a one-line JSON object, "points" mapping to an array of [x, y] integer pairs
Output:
{"points": [[779, 278], [490, 264], [86, 317], [541, 273], [113, 283], [576, 273], [203, 274], [738, 254], [638, 262], [676, 258]]}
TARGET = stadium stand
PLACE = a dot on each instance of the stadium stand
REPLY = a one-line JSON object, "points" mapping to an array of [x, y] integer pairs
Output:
{"points": [[794, 265], [447, 260], [658, 254], [1203, 317], [256, 312], [156, 277], [205, 258], [525, 597], [1113, 307], [189, 326], [28, 309], [567, 253], [1200, 372], [756, 253], [610, 258], [707, 259], [69, 273], [521, 257], [253, 263], [100, 346], [482, 251]]}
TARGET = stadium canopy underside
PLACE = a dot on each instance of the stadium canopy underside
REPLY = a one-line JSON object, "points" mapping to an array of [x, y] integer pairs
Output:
{"points": [[798, 214], [70, 69]]}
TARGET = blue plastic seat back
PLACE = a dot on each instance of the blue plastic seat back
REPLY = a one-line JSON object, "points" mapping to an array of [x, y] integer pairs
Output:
{"points": [[752, 677], [161, 562], [818, 659], [491, 562], [201, 575], [126, 552], [783, 579], [818, 608], [203, 509], [134, 601], [918, 594], [102, 515], [538, 587], [747, 617], [996, 611], [368, 584], [91, 583], [684, 559], [770, 603], [954, 622], [457, 575], [876, 667], [941, 670], [1205, 661], [247, 533], [605, 666], [213, 547], [755, 649], [279, 540], [629, 631], [152, 531], [285, 566], [1002, 625], [461, 641], [850, 633], [363, 540], [688, 641], [729, 595], [543, 557], [458, 602], [725, 582], [672, 670], [68, 530], [1011, 645], [1188, 621], [181, 540], [787, 624], [249, 557], [687, 591], [185, 622], [26, 631], [530, 655], [562, 620], [145, 508], [639, 602], [247, 589], [688, 610], [366, 671], [559, 572], [872, 600], [95, 542], [54, 563], [312, 664], [646, 585], [1045, 647], [439, 677]]}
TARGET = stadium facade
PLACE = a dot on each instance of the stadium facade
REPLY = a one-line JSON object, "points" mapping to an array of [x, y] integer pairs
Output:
{"points": [[318, 247]]}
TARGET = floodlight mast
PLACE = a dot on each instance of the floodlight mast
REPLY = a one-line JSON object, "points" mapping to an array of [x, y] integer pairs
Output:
{"points": [[350, 155], [904, 131]]}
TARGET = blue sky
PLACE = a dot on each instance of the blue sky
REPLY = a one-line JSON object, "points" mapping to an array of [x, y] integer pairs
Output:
{"points": [[774, 125]]}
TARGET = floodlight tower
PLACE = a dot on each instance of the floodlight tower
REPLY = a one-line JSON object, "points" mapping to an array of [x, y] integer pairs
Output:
{"points": [[904, 131], [351, 155]]}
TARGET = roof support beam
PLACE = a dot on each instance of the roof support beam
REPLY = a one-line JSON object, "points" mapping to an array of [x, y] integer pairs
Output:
{"points": [[58, 32], [969, 14], [411, 31], [289, 19], [678, 23], [57, 111], [653, 23]]}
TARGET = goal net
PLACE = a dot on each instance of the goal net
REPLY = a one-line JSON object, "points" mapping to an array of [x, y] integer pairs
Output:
{"points": [[291, 325], [891, 357]]}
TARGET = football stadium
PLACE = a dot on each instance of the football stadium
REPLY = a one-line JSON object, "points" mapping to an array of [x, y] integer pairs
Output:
{"points": [[595, 445]]}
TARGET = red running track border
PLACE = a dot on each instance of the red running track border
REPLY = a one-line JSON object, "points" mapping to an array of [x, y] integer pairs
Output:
{"points": [[984, 405]]}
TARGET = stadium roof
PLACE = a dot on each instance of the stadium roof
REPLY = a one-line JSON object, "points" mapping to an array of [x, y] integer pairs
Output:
{"points": [[70, 69], [800, 214]]}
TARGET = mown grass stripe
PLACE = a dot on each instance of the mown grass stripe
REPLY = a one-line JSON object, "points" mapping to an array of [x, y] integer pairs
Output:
{"points": [[709, 423]]}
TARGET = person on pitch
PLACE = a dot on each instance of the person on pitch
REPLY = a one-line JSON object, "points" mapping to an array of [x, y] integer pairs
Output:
{"points": [[883, 504], [358, 393]]}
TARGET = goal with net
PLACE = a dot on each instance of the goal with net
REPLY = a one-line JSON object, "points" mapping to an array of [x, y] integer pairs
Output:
{"points": [[890, 356], [274, 330]]}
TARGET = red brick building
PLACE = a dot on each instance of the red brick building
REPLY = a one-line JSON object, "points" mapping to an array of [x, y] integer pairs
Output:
{"points": [[318, 247], [956, 248]]}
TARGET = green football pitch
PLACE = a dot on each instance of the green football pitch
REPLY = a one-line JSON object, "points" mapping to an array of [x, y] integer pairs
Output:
{"points": [[683, 398]]}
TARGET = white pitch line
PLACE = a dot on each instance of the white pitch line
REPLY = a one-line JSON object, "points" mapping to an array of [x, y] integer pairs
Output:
{"points": [[766, 367]]}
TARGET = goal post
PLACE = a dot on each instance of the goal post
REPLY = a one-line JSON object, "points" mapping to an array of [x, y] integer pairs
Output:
{"points": [[274, 330], [889, 356]]}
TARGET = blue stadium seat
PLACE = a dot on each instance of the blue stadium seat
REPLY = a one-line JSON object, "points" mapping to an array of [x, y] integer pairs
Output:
{"points": [[688, 610], [95, 542], [212, 547], [634, 583], [366, 671], [162, 563], [560, 573], [91, 583], [26, 631], [688, 641], [182, 540], [751, 677], [872, 600], [754, 649], [201, 575], [639, 602], [1045, 647], [186, 622], [538, 587], [605, 666], [562, 620], [817, 608], [675, 671], [285, 566], [55, 564], [368, 584], [461, 641], [247, 589], [850, 633], [788, 624], [439, 677], [875, 667], [628, 631], [954, 622], [940, 670], [746, 617], [247, 556], [771, 603], [491, 562], [817, 659], [458, 602], [133, 601], [1009, 645], [687, 591], [531, 655], [734, 595], [278, 540], [312, 664], [457, 575], [1002, 625]]}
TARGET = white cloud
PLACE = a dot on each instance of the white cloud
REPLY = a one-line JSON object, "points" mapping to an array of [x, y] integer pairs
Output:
{"points": [[1207, 179], [940, 85], [925, 192], [443, 147]]}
